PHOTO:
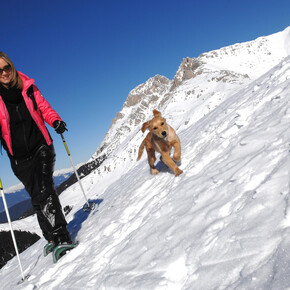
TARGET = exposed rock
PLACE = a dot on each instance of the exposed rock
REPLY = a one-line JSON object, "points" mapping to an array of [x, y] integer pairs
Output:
{"points": [[189, 68]]}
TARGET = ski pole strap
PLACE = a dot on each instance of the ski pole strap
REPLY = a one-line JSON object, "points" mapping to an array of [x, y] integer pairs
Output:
{"points": [[65, 145]]}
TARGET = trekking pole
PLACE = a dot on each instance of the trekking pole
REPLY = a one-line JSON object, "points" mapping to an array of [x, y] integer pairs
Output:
{"points": [[89, 206], [11, 229]]}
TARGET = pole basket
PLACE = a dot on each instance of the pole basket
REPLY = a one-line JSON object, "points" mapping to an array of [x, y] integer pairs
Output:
{"points": [[23, 279], [89, 206]]}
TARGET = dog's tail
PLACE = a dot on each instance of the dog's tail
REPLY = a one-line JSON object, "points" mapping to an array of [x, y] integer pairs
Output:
{"points": [[141, 148]]}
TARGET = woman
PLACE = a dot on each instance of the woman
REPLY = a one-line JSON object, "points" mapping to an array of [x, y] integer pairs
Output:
{"points": [[29, 146]]}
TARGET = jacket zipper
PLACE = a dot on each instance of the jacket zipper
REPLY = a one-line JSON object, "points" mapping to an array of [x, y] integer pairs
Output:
{"points": [[32, 115], [23, 127]]}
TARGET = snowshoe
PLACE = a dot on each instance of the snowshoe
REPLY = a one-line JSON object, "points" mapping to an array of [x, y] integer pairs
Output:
{"points": [[48, 248], [61, 249]]}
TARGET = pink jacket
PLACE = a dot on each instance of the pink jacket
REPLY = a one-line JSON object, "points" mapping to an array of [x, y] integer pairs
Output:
{"points": [[44, 113]]}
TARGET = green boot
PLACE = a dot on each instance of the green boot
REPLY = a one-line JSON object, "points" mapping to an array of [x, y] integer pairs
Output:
{"points": [[48, 248], [61, 249]]}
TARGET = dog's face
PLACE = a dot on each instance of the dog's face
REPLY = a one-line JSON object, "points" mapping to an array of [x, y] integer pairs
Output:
{"points": [[157, 125]]}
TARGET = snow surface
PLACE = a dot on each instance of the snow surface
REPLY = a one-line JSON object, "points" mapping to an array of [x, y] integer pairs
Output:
{"points": [[253, 58], [223, 224]]}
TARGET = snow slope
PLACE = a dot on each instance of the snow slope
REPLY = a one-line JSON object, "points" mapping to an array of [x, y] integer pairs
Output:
{"points": [[223, 224], [253, 57]]}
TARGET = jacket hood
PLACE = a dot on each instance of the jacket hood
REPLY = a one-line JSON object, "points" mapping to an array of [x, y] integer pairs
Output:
{"points": [[27, 82]]}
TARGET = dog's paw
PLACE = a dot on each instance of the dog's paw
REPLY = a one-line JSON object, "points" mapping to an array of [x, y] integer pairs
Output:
{"points": [[178, 163], [176, 159], [178, 172], [154, 171]]}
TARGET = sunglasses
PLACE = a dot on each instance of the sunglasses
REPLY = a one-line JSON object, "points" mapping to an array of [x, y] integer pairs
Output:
{"points": [[6, 68]]}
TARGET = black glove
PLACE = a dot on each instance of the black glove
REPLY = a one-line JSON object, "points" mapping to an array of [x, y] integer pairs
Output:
{"points": [[59, 126]]}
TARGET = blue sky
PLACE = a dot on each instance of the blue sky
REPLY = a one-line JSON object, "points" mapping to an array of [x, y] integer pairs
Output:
{"points": [[87, 55]]}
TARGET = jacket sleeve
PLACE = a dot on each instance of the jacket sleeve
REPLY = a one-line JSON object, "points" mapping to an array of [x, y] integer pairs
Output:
{"points": [[49, 115]]}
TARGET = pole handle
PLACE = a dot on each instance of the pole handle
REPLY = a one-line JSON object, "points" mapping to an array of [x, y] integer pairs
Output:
{"points": [[65, 145]]}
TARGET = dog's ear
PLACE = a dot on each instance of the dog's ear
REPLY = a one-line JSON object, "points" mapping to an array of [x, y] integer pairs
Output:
{"points": [[156, 113], [145, 126]]}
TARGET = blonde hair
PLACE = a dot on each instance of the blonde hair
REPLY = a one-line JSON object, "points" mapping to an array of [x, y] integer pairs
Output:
{"points": [[16, 81]]}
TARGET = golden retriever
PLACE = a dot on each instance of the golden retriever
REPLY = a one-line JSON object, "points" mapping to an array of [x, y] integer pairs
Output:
{"points": [[161, 138]]}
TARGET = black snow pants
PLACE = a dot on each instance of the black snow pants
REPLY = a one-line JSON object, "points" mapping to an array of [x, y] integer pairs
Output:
{"points": [[36, 174]]}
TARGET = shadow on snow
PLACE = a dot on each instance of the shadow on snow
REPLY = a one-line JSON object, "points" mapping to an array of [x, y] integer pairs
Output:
{"points": [[79, 217]]}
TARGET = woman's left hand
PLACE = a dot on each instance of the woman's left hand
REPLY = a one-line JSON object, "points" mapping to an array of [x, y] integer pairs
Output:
{"points": [[59, 126]]}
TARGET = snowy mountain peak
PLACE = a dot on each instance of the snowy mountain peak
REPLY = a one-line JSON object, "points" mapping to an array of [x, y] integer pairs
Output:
{"points": [[154, 87], [143, 97], [235, 64], [253, 58]]}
